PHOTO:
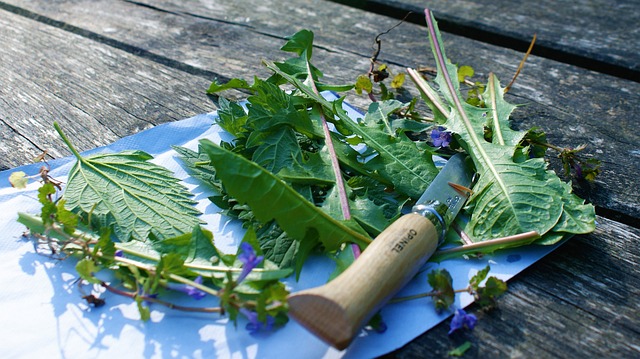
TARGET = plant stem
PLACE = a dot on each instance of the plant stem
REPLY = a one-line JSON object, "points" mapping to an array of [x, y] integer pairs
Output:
{"points": [[498, 243], [161, 302], [342, 193], [66, 141], [173, 277]]}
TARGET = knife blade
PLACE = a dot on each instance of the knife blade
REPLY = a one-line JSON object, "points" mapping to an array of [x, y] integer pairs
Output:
{"points": [[336, 311]]}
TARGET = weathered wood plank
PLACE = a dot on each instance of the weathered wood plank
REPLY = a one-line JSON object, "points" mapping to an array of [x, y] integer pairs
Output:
{"points": [[597, 34], [531, 316], [97, 94], [573, 105], [581, 299]]}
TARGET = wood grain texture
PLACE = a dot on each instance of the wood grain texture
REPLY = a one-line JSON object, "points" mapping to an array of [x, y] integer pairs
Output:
{"points": [[98, 94], [108, 68], [582, 299], [573, 105], [338, 310], [597, 34]]}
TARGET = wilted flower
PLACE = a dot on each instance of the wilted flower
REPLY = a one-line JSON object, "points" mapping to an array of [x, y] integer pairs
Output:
{"points": [[461, 320], [193, 292], [440, 137], [249, 259], [254, 324]]}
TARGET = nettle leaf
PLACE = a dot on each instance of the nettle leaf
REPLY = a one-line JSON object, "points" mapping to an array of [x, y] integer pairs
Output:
{"points": [[197, 164], [136, 198], [195, 247], [271, 198], [270, 107], [510, 197], [276, 245], [232, 117]]}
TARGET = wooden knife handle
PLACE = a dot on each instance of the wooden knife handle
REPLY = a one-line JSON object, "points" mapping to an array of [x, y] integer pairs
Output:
{"points": [[336, 311]]}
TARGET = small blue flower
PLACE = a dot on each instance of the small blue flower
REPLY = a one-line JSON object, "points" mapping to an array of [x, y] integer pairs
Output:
{"points": [[461, 320], [440, 137], [254, 324], [249, 259], [119, 253], [193, 292]]}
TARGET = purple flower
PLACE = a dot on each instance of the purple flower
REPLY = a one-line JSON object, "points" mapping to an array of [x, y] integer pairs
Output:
{"points": [[254, 324], [119, 253], [461, 320], [249, 259], [193, 292], [440, 137]]}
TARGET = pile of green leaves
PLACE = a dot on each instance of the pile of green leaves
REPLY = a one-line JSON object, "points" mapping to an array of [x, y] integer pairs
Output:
{"points": [[299, 188], [125, 216], [276, 174]]}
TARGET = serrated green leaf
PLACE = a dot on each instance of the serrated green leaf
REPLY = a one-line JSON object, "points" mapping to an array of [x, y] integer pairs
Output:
{"points": [[271, 198], [510, 197], [216, 87], [126, 192], [499, 114], [198, 167], [232, 118], [486, 296], [135, 197], [577, 217], [300, 43], [49, 208], [68, 219], [278, 150], [442, 283], [312, 169], [270, 108], [276, 245], [399, 160], [475, 281], [369, 216]]}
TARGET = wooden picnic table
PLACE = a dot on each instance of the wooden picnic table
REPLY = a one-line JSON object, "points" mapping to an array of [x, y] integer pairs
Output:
{"points": [[105, 69]]}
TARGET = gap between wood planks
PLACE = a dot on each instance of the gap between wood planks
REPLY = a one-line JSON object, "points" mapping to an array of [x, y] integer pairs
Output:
{"points": [[474, 31], [114, 43], [165, 61]]}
